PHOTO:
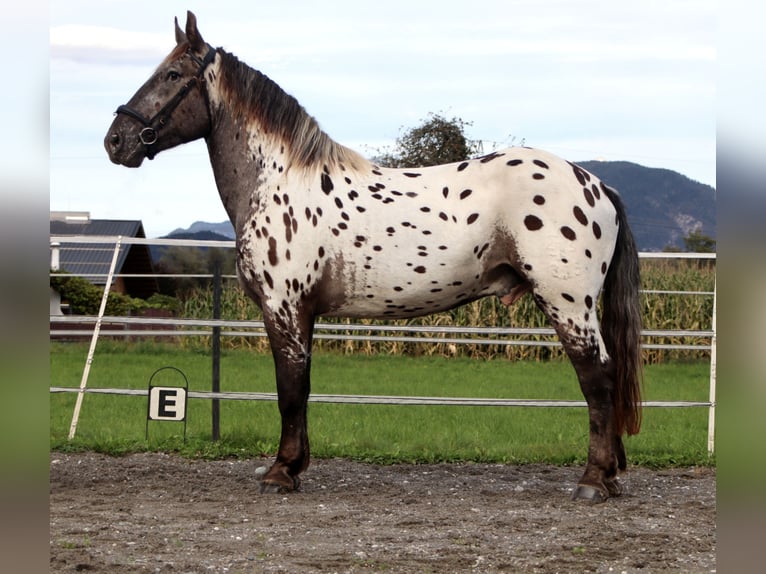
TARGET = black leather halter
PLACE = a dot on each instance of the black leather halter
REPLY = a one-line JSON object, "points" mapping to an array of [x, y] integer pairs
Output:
{"points": [[148, 135]]}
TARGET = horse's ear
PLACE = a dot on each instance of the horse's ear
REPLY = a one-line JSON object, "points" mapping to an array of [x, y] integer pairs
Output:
{"points": [[192, 34], [180, 35]]}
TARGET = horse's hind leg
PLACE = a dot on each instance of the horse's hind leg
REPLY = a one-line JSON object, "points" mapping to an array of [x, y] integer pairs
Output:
{"points": [[606, 454], [578, 330]]}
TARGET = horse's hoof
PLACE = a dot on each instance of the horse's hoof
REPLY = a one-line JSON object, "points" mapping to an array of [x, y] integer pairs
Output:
{"points": [[271, 487], [589, 494], [614, 487]]}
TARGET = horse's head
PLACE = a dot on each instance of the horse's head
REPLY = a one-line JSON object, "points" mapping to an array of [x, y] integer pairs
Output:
{"points": [[171, 108]]}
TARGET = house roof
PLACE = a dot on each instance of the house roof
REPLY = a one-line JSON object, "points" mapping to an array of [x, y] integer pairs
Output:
{"points": [[91, 261]]}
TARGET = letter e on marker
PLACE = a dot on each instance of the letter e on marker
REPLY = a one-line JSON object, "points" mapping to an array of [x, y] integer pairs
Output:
{"points": [[167, 403]]}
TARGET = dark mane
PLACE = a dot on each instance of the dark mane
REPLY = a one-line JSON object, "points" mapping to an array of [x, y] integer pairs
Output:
{"points": [[255, 97]]}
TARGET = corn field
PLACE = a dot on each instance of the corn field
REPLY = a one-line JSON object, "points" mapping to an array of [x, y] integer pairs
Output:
{"points": [[660, 311]]}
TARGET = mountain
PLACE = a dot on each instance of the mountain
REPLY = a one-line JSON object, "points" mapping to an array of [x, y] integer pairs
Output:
{"points": [[199, 231], [225, 229], [200, 235], [663, 206]]}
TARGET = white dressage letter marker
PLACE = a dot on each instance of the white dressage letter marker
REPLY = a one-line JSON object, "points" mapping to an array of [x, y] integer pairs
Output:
{"points": [[167, 403]]}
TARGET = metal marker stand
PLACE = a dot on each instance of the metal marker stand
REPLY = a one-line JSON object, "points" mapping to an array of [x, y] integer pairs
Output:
{"points": [[163, 402]]}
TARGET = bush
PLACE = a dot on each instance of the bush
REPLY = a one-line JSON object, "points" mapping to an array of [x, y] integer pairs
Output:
{"points": [[84, 298], [160, 301]]}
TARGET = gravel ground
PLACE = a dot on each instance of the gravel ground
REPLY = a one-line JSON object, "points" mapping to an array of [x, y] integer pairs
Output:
{"points": [[163, 513]]}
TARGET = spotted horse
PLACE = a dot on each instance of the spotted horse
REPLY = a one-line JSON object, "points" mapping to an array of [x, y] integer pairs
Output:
{"points": [[322, 231]]}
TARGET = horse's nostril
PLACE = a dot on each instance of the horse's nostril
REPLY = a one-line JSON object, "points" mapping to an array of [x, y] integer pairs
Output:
{"points": [[114, 139]]}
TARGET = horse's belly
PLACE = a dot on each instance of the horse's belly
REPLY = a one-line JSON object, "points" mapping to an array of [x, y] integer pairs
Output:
{"points": [[410, 292]]}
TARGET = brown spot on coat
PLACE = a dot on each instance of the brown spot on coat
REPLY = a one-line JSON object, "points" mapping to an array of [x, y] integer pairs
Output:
{"points": [[327, 185], [288, 228], [490, 156], [569, 233], [273, 258], [582, 176], [579, 215], [588, 196], [532, 222]]}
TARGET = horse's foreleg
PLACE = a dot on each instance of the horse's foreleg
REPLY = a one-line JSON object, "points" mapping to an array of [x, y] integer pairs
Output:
{"points": [[290, 340]]}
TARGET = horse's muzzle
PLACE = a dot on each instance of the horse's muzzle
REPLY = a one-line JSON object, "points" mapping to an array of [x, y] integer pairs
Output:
{"points": [[124, 147]]}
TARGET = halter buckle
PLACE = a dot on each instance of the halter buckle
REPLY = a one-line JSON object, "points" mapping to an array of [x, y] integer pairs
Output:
{"points": [[148, 136]]}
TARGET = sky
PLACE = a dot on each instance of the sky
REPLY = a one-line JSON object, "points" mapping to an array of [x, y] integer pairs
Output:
{"points": [[630, 81]]}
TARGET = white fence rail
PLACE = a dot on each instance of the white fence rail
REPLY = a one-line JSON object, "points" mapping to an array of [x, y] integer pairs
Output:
{"points": [[340, 332], [130, 326]]}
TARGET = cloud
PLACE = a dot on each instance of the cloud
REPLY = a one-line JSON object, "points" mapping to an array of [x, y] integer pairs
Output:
{"points": [[101, 44], [621, 80]]}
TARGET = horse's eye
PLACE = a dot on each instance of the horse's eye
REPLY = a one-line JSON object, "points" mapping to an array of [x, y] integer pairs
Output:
{"points": [[173, 76]]}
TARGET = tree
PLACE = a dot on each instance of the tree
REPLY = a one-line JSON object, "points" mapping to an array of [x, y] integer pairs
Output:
{"points": [[191, 261], [694, 242], [435, 141], [698, 242]]}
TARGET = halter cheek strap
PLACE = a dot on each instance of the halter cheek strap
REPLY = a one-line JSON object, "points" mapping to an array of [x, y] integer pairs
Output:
{"points": [[149, 135]]}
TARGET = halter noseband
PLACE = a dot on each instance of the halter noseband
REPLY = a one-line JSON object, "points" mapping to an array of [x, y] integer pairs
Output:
{"points": [[148, 135]]}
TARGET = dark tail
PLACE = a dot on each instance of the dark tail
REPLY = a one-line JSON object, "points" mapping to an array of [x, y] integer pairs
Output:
{"points": [[621, 324]]}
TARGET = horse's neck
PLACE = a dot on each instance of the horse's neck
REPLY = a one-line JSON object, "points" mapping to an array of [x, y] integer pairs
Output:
{"points": [[245, 163], [251, 152]]}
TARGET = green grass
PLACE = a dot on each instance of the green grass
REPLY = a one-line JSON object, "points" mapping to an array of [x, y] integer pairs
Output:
{"points": [[382, 433]]}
